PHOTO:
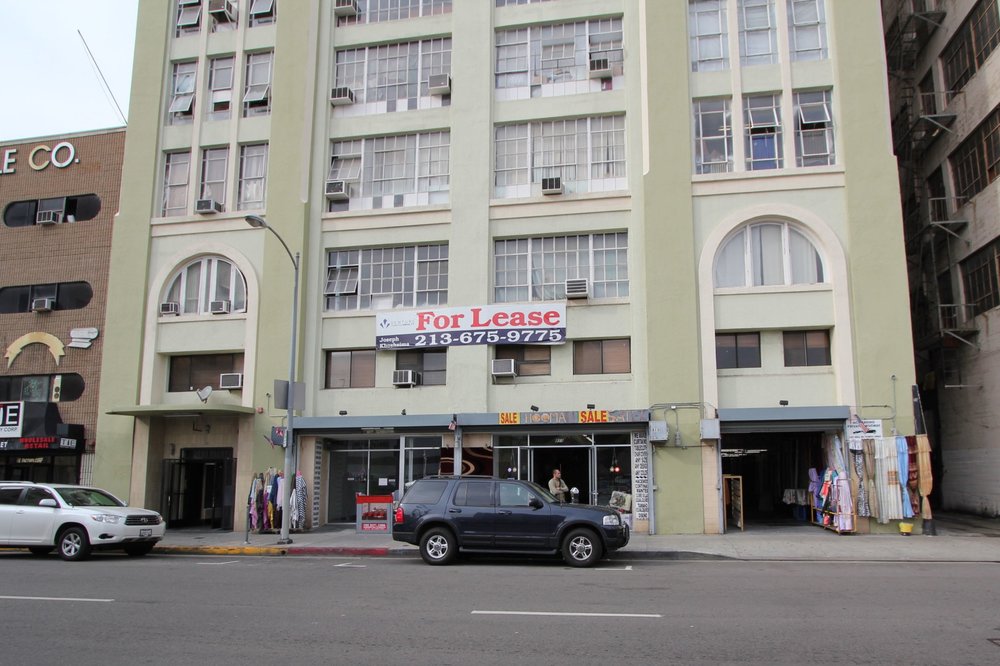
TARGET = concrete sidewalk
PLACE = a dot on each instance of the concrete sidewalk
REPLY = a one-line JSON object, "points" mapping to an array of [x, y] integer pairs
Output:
{"points": [[968, 539]]}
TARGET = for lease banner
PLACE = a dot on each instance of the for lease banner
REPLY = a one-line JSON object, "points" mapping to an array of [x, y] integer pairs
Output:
{"points": [[474, 325]]}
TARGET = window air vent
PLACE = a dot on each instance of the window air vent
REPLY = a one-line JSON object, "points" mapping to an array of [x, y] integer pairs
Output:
{"points": [[439, 84], [220, 307], [341, 96], [223, 11], [48, 217], [600, 68], [42, 304], [552, 185], [345, 8], [231, 380], [207, 206], [404, 378], [170, 308], [577, 288], [504, 367], [336, 190]]}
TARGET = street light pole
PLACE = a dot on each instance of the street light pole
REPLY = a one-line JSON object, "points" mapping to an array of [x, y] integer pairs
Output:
{"points": [[286, 517]]}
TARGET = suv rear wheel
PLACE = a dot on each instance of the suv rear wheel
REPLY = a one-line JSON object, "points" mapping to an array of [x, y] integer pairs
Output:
{"points": [[438, 546], [581, 548]]}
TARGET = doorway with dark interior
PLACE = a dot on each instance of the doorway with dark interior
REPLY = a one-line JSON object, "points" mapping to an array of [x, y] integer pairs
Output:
{"points": [[199, 488]]}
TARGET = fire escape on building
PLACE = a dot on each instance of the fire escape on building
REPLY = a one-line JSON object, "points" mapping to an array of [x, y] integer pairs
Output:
{"points": [[944, 328]]}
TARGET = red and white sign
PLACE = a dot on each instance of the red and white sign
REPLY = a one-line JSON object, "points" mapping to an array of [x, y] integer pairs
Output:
{"points": [[544, 323]]}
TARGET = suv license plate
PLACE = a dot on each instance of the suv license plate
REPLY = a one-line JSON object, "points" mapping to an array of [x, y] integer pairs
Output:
{"points": [[145, 532]]}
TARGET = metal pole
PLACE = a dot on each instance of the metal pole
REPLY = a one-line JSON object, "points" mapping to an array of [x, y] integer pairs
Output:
{"points": [[286, 514]]}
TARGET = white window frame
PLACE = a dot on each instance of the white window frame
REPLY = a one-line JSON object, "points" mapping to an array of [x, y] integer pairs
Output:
{"points": [[209, 278], [176, 176], [221, 75], [214, 170], [807, 38], [400, 164], [188, 20], [262, 12], [383, 73], [536, 269], [709, 34], [377, 11], [754, 31], [713, 150], [257, 85], [814, 123], [182, 86], [253, 176], [796, 255], [762, 116], [386, 278]]}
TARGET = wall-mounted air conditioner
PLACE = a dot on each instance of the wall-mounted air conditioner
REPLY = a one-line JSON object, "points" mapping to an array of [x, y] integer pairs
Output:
{"points": [[48, 217], [345, 8], [207, 206], [42, 304], [231, 380], [223, 11], [503, 367], [341, 96], [552, 185], [220, 307], [336, 190], [170, 308], [404, 378], [439, 84], [600, 68], [577, 288]]}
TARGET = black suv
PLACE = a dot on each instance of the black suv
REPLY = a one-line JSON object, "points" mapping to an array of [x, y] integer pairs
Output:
{"points": [[447, 514]]}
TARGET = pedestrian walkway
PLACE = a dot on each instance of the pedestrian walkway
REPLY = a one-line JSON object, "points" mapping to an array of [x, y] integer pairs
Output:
{"points": [[959, 538]]}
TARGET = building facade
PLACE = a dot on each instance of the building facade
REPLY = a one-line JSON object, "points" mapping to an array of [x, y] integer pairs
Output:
{"points": [[58, 198], [945, 87], [651, 244]]}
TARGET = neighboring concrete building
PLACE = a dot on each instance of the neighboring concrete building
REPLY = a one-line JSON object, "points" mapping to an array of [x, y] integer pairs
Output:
{"points": [[945, 90], [58, 198], [698, 225]]}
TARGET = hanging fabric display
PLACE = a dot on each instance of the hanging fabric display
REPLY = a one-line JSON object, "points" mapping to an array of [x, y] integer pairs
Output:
{"points": [[926, 480], [299, 499], [858, 458], [265, 501]]}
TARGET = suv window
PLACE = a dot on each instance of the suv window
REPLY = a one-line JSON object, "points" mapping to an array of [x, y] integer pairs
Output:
{"points": [[426, 492], [474, 493], [513, 494], [32, 496], [9, 495]]}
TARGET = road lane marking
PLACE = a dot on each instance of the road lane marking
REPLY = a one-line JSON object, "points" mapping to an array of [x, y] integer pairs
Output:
{"points": [[487, 612], [53, 599], [217, 563], [352, 566]]}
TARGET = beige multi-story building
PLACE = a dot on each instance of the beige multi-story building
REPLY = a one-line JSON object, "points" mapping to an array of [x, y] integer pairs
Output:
{"points": [[58, 198], [654, 244], [945, 89]]}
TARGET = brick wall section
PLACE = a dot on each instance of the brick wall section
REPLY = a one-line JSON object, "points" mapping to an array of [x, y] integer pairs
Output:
{"points": [[68, 252]]}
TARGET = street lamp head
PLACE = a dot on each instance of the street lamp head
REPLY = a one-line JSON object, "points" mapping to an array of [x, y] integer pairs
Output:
{"points": [[255, 221]]}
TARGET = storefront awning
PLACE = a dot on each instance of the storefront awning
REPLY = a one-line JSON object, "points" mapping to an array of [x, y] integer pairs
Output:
{"points": [[181, 410], [783, 419]]}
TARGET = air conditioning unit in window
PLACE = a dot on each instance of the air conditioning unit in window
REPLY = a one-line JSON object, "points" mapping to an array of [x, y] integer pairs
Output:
{"points": [[170, 308], [577, 288], [341, 96], [231, 380], [404, 378], [439, 84], [503, 367], [42, 304], [207, 207], [600, 68], [345, 8], [219, 307], [223, 11], [48, 217], [337, 190], [552, 185]]}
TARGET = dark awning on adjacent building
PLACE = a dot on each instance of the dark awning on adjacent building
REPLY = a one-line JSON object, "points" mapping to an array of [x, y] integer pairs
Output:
{"points": [[783, 419], [181, 410]]}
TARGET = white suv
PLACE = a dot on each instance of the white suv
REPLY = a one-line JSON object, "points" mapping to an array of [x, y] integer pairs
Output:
{"points": [[74, 519]]}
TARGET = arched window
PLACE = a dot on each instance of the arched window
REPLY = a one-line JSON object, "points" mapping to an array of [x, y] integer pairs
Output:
{"points": [[207, 285], [766, 254]]}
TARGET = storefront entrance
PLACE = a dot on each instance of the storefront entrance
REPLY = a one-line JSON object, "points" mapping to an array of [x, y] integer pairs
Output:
{"points": [[199, 488]]}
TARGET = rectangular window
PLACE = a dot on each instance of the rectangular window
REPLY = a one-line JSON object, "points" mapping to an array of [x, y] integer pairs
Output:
{"points": [[586, 154], [377, 11], [384, 168], [536, 269], [979, 279], [709, 40], [431, 364], [253, 176], [393, 73], [807, 348], [214, 162], [758, 36], [181, 106], [602, 357], [385, 278], [807, 29], [220, 87], [976, 162], [257, 85], [176, 172], [190, 373], [713, 136], [971, 44], [531, 360], [737, 350], [762, 123], [350, 369], [263, 12], [188, 17], [813, 129]]}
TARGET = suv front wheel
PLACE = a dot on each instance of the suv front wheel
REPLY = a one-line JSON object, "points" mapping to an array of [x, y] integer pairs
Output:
{"points": [[438, 546], [74, 544], [581, 548]]}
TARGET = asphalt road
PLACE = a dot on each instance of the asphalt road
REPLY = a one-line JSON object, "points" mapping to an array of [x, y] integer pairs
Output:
{"points": [[304, 610]]}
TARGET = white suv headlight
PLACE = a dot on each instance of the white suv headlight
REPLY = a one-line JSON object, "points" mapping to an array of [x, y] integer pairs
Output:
{"points": [[106, 518], [613, 519]]}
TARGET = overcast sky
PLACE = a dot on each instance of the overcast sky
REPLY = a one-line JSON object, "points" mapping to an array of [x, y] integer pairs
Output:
{"points": [[48, 83]]}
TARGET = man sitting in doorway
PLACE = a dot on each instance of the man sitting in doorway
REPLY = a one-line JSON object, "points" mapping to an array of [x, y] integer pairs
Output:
{"points": [[557, 486]]}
